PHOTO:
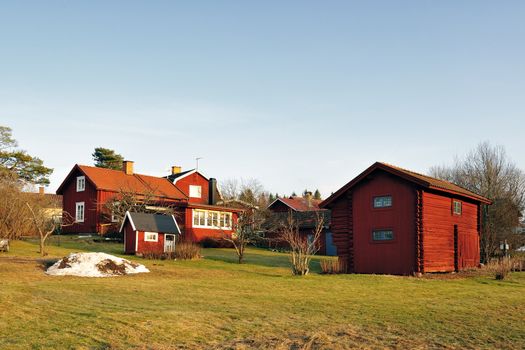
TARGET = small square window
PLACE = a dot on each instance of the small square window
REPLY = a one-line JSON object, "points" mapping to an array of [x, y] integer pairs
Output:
{"points": [[382, 235], [457, 207], [151, 236], [195, 191], [382, 202], [81, 183]]}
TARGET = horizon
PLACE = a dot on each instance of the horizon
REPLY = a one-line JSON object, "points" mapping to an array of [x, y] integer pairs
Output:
{"points": [[300, 95]]}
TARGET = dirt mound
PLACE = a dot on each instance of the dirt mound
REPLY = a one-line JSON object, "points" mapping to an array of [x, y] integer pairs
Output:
{"points": [[94, 265]]}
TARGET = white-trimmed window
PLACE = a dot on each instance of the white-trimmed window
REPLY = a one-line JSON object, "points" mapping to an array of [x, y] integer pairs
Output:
{"points": [[114, 218], [382, 235], [212, 219], [382, 201], [457, 207], [81, 183], [151, 237], [195, 191], [79, 211]]}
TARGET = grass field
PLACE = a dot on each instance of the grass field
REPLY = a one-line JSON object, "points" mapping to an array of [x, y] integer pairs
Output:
{"points": [[216, 303]]}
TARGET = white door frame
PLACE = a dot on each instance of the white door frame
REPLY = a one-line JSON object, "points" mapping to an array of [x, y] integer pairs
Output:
{"points": [[166, 242]]}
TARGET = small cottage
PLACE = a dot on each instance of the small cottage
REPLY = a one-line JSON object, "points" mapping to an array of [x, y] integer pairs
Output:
{"points": [[149, 233]]}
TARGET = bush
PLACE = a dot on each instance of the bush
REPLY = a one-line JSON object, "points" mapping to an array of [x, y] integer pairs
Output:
{"points": [[187, 250], [209, 242], [330, 266], [501, 268], [183, 250]]}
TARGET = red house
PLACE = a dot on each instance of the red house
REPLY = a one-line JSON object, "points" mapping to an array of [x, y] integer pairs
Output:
{"points": [[390, 220], [87, 189], [149, 233], [305, 211]]}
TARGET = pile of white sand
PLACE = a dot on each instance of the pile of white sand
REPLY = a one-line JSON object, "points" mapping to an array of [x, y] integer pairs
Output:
{"points": [[94, 265]]}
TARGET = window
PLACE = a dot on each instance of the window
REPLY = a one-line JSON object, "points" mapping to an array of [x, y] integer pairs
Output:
{"points": [[382, 235], [151, 237], [81, 183], [382, 202], [79, 212], [114, 218], [457, 207], [195, 191], [212, 219]]}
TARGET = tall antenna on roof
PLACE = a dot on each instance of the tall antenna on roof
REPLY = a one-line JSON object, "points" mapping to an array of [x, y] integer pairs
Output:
{"points": [[197, 163]]}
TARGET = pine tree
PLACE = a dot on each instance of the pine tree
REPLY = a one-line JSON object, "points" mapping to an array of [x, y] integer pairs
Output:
{"points": [[294, 194], [107, 158], [317, 194]]}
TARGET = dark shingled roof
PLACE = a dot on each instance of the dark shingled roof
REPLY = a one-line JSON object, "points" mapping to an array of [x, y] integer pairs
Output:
{"points": [[153, 222], [177, 175]]}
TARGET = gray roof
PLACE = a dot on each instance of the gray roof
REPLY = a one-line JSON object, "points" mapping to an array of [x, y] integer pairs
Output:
{"points": [[152, 222], [175, 176]]}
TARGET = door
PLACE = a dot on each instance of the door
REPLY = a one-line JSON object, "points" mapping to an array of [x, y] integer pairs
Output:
{"points": [[331, 249], [169, 243]]}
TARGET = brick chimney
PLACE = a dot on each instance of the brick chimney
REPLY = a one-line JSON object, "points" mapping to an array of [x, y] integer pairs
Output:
{"points": [[308, 197], [175, 169], [127, 167], [41, 190]]}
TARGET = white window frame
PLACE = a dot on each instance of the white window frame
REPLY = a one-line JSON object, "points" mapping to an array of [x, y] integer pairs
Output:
{"points": [[146, 239], [81, 183], [381, 203], [80, 218], [113, 216], [195, 191], [459, 205], [208, 219]]}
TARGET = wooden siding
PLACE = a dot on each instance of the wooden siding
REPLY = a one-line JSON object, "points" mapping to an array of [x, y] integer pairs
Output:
{"points": [[197, 180], [397, 256], [342, 229], [89, 196], [150, 247], [442, 252], [129, 239], [197, 234]]}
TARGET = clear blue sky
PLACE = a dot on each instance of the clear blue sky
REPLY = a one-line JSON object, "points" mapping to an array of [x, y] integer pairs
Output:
{"points": [[294, 93]]}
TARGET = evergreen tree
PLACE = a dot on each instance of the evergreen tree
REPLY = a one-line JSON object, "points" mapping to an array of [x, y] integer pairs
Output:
{"points": [[107, 158], [271, 198], [317, 194], [294, 194], [16, 163]]}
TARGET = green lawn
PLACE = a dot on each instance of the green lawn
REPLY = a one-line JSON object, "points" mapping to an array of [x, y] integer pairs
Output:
{"points": [[216, 303]]}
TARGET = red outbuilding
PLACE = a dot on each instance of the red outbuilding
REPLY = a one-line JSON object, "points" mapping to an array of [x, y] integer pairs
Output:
{"points": [[149, 233], [390, 220]]}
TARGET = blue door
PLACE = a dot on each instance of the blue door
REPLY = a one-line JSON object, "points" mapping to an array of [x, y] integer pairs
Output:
{"points": [[331, 249]]}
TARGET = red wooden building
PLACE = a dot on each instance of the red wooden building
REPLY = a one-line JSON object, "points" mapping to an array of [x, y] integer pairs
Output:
{"points": [[305, 211], [149, 233], [87, 189], [391, 220]]}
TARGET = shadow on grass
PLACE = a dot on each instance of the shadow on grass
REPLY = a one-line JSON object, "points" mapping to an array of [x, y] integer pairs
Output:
{"points": [[257, 256]]}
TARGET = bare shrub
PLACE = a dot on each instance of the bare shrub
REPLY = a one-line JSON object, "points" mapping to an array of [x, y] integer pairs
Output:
{"points": [[500, 269], [301, 247], [331, 267], [210, 242], [187, 250]]}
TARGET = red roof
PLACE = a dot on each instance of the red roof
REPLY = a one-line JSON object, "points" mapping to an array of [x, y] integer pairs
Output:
{"points": [[116, 181], [420, 179], [300, 203]]}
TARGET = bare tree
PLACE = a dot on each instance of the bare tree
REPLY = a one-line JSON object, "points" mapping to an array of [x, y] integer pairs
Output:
{"points": [[126, 200], [44, 222], [302, 247], [488, 171], [247, 230], [14, 219]]}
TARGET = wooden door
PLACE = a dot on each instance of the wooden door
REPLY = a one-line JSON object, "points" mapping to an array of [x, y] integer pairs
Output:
{"points": [[169, 243]]}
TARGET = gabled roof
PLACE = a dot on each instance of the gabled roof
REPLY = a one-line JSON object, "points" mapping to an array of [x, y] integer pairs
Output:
{"points": [[175, 177], [117, 180], [151, 222], [419, 179], [299, 203]]}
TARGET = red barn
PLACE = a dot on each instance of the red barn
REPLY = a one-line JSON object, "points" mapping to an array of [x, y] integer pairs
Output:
{"points": [[305, 211], [87, 189], [390, 220], [149, 233]]}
